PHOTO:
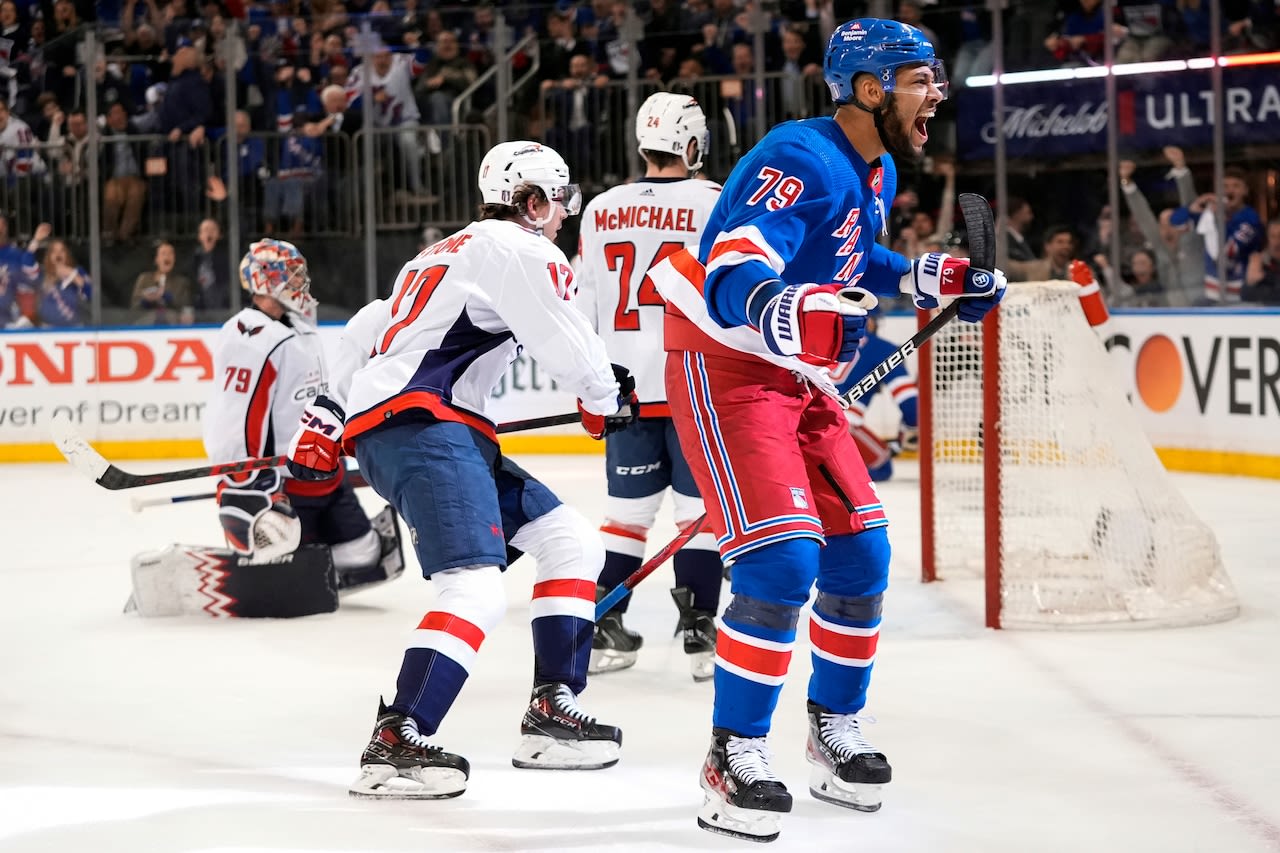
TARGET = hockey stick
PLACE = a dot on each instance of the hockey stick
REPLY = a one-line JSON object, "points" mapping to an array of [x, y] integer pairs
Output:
{"points": [[981, 227], [93, 465], [623, 589], [354, 478]]}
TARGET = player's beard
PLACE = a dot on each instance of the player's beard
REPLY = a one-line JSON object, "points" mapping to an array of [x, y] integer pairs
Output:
{"points": [[895, 132]]}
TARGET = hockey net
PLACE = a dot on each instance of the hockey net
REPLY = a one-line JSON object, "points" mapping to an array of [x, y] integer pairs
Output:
{"points": [[1036, 473]]}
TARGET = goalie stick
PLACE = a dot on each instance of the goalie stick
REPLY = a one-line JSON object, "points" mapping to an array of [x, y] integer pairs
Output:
{"points": [[980, 224], [137, 504], [90, 462]]}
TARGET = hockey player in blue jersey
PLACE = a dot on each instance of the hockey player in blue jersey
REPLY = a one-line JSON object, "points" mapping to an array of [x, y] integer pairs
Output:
{"points": [[899, 385], [773, 298]]}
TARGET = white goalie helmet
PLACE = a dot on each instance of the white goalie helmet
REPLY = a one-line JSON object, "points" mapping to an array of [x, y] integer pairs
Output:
{"points": [[277, 269], [510, 165], [668, 122]]}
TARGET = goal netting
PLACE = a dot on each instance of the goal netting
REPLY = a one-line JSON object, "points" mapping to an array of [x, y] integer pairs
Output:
{"points": [[1036, 472]]}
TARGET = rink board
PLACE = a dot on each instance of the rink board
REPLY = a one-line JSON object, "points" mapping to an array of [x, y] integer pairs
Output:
{"points": [[1208, 393]]}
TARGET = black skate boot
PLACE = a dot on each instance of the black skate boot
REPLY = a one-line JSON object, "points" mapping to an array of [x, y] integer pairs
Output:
{"points": [[398, 763], [744, 798], [847, 770], [699, 627], [558, 735], [613, 646]]}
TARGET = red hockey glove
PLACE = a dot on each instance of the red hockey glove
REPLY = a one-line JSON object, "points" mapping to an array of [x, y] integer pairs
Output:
{"points": [[821, 324], [936, 275], [316, 449], [598, 426]]}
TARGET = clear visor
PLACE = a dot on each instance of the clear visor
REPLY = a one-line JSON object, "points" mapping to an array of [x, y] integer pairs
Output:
{"points": [[915, 78], [568, 195]]}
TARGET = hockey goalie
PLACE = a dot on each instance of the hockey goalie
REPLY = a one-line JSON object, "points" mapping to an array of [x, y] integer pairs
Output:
{"points": [[293, 546]]}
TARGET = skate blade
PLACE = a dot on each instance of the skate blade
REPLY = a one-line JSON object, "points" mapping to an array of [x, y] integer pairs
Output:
{"points": [[826, 786], [384, 782], [540, 752], [702, 666], [610, 660], [720, 817]]}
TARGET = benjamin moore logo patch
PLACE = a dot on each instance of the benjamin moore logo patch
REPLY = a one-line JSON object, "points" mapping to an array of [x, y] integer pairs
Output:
{"points": [[1158, 373]]}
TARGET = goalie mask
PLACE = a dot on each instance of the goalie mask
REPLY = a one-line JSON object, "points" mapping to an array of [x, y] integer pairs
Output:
{"points": [[668, 123], [277, 269], [511, 165]]}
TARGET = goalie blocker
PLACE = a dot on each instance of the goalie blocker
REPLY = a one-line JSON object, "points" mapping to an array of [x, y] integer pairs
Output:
{"points": [[194, 579]]}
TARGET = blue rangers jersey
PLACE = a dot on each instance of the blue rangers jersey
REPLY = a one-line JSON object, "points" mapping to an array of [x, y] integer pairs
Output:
{"points": [[899, 383], [801, 207]]}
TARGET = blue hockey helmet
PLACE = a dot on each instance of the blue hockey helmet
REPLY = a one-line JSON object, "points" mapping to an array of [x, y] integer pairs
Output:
{"points": [[878, 47]]}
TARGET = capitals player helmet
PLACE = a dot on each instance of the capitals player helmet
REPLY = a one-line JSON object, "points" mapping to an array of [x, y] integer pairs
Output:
{"points": [[668, 123], [511, 165], [277, 269], [877, 47]]}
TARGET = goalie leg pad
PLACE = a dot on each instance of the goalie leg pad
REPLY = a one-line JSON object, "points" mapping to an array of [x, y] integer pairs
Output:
{"points": [[192, 579], [390, 563]]}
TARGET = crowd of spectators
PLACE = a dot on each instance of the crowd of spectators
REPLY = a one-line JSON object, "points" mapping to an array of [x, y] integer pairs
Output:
{"points": [[162, 68]]}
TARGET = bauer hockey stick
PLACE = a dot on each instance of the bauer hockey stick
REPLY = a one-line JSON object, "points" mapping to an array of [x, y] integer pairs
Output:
{"points": [[92, 464], [980, 224]]}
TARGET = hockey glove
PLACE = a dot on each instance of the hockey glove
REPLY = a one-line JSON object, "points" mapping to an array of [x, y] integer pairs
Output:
{"points": [[937, 275], [257, 518], [821, 324], [909, 438], [598, 426], [316, 449]]}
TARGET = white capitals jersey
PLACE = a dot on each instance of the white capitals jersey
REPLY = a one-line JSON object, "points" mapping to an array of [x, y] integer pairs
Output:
{"points": [[461, 312], [355, 346], [264, 373], [625, 231], [393, 101]]}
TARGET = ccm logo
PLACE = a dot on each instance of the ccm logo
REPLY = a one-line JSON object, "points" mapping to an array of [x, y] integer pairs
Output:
{"points": [[626, 470]]}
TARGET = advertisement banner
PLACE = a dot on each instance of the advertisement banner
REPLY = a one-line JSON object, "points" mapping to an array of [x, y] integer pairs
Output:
{"points": [[1065, 117], [152, 385]]}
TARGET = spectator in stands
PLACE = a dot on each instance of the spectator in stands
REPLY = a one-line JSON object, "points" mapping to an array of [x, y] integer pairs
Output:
{"points": [[738, 95], [210, 272], [19, 271], [65, 288], [22, 168], [909, 13], [576, 103], [124, 189], [1081, 37], [557, 49], [689, 78], [12, 28], [714, 58], [1018, 220], [1147, 25], [301, 165], [973, 58], [801, 86], [444, 78], [110, 85], [161, 296], [1240, 223], [185, 110], [1179, 252], [60, 55], [1059, 249], [1146, 289], [1262, 278], [49, 124], [391, 79]]}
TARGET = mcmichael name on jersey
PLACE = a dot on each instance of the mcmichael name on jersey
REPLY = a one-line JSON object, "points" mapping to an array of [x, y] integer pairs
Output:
{"points": [[646, 216]]}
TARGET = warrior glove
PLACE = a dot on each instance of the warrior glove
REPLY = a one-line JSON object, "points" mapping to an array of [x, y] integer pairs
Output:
{"points": [[937, 275], [821, 324]]}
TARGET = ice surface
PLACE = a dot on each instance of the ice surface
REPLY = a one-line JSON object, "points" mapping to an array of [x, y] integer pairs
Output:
{"points": [[124, 734]]}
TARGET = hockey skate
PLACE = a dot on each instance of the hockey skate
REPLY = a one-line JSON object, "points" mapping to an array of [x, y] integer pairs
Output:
{"points": [[558, 735], [613, 645], [847, 771], [699, 627], [398, 763], [744, 799]]}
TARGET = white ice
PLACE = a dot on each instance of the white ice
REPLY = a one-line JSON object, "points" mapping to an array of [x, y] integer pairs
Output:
{"points": [[124, 734]]}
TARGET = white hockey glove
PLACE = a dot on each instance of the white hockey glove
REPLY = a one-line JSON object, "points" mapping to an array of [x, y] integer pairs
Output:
{"points": [[937, 275], [821, 324], [257, 518], [316, 449], [909, 438]]}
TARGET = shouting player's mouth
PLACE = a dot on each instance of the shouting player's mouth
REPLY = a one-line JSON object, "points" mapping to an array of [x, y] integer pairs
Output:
{"points": [[920, 132]]}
